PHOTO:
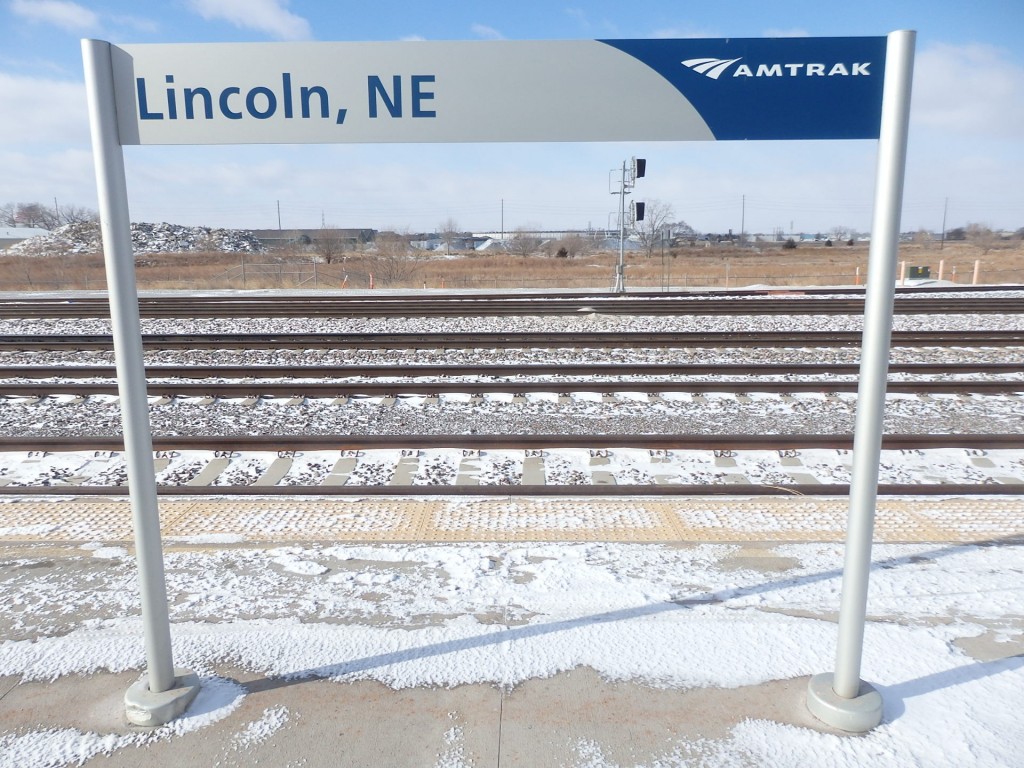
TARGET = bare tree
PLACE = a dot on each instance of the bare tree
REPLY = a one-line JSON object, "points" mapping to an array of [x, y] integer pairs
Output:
{"points": [[74, 214], [841, 233], [651, 230], [524, 241], [44, 216], [981, 236], [449, 232], [329, 244], [35, 215], [394, 262], [571, 246], [682, 229]]}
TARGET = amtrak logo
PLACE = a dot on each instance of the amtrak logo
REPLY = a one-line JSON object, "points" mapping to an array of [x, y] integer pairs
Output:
{"points": [[712, 68], [715, 68]]}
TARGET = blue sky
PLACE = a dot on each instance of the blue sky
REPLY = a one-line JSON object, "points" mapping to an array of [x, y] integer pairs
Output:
{"points": [[966, 141]]}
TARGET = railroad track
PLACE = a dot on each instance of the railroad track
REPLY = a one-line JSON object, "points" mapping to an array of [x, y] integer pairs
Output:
{"points": [[356, 380], [256, 389], [748, 302], [346, 448], [474, 442], [561, 370], [423, 380], [497, 340]]}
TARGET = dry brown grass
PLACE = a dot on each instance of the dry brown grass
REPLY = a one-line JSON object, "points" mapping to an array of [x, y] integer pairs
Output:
{"points": [[716, 267]]}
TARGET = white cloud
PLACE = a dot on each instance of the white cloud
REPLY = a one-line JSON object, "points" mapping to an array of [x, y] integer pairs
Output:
{"points": [[269, 16], [136, 23], [60, 13], [487, 33], [39, 111], [969, 90], [67, 175]]}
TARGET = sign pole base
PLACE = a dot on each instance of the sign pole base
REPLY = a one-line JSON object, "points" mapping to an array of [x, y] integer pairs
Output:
{"points": [[857, 715], [144, 707]]}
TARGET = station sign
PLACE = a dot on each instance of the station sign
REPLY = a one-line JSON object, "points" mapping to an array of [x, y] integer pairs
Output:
{"points": [[498, 91]]}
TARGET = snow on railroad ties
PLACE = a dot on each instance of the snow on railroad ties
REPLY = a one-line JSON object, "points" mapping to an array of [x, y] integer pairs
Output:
{"points": [[557, 466]]}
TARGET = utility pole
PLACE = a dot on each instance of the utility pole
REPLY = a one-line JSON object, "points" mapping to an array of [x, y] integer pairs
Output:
{"points": [[278, 215], [631, 171], [945, 209], [743, 219]]}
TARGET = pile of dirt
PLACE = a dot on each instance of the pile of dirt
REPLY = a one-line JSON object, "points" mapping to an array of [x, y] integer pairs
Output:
{"points": [[84, 237]]}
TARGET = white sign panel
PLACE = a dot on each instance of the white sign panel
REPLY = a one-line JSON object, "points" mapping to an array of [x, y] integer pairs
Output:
{"points": [[394, 92]]}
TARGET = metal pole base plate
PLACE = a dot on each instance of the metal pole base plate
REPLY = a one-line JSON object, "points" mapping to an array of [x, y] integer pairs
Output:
{"points": [[857, 715], [143, 707]]}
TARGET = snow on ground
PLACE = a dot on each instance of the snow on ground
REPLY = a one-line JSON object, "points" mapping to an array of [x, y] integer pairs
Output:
{"points": [[447, 615], [84, 237]]}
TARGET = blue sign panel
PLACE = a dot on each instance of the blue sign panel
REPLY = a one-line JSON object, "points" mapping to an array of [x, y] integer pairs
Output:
{"points": [[774, 88]]}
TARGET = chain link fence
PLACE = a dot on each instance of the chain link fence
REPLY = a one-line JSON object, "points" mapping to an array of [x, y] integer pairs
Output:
{"points": [[646, 275]]}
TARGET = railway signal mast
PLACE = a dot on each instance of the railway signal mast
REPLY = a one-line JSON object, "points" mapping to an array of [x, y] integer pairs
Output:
{"points": [[631, 171]]}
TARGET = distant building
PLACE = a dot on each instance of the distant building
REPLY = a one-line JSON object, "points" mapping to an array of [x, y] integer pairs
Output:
{"points": [[432, 241], [301, 238], [13, 235]]}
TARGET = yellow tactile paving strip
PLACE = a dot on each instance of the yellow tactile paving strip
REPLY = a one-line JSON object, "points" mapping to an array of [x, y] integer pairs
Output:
{"points": [[720, 519]]}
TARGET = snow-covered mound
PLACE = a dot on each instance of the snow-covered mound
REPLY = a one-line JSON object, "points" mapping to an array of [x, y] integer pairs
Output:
{"points": [[84, 237]]}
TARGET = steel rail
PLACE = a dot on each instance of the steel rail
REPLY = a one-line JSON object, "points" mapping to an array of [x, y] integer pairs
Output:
{"points": [[290, 296], [722, 442], [384, 308], [307, 389], [516, 371], [422, 305], [570, 340]]}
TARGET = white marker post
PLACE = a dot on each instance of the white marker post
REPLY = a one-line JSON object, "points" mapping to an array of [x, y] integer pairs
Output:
{"points": [[164, 692], [842, 699]]}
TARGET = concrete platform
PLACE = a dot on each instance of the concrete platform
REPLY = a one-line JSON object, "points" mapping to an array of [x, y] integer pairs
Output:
{"points": [[716, 519], [573, 719], [304, 618]]}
